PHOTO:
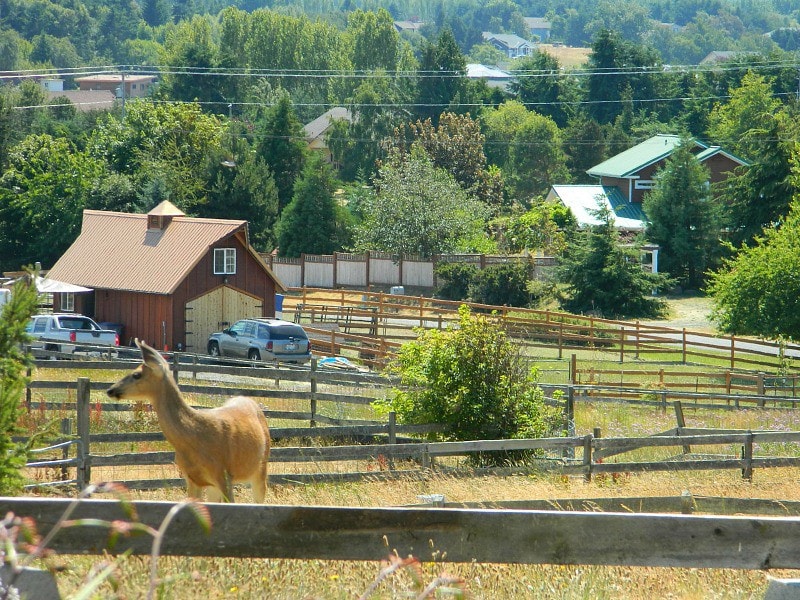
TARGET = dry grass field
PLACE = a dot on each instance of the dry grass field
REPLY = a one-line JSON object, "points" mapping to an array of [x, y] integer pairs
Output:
{"points": [[210, 579], [206, 579], [567, 56]]}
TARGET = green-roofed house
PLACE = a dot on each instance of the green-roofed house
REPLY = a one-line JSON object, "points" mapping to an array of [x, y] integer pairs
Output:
{"points": [[633, 171]]}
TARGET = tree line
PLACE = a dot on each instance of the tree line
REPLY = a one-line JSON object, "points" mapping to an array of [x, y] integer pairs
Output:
{"points": [[427, 162]]}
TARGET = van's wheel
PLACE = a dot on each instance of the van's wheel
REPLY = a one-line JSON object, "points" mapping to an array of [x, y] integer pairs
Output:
{"points": [[254, 354], [213, 349]]}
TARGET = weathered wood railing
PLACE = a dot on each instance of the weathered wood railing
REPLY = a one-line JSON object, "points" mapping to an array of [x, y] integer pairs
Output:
{"points": [[430, 534]]}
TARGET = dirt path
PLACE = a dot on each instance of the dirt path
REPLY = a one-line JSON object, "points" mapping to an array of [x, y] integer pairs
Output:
{"points": [[692, 312]]}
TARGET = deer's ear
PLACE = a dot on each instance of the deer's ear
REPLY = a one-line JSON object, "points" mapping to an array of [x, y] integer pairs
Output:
{"points": [[149, 355]]}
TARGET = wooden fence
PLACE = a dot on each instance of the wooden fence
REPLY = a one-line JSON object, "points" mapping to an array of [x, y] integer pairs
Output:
{"points": [[430, 534], [372, 326]]}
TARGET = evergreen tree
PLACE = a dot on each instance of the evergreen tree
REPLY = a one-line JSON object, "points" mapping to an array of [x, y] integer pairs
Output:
{"points": [[442, 80], [13, 362], [681, 218], [281, 144], [602, 276], [308, 224]]}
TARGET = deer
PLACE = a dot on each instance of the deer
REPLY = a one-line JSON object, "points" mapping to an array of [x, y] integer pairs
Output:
{"points": [[214, 448]]}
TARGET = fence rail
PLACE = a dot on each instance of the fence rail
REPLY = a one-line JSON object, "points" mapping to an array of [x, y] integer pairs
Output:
{"points": [[375, 324], [431, 534]]}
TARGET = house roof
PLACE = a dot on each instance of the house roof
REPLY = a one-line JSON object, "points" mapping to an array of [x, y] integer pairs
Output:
{"points": [[509, 40], [537, 22], [86, 100], [657, 148], [322, 123], [117, 251], [582, 199], [115, 78], [633, 160]]}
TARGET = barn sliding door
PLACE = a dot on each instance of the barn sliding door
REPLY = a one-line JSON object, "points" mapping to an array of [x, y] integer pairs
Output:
{"points": [[216, 310]]}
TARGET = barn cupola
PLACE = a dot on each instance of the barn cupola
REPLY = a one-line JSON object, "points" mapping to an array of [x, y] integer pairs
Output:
{"points": [[161, 216]]}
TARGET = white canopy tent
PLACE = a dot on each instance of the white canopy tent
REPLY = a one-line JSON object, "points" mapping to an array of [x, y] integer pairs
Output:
{"points": [[45, 285]]}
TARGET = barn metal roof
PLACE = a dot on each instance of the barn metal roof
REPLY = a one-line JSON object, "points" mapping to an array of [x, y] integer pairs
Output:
{"points": [[117, 251]]}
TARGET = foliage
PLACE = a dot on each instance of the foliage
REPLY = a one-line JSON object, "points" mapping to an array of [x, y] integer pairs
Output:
{"points": [[13, 363], [281, 145], [308, 224], [456, 145], [602, 276], [473, 380], [453, 279], [527, 146], [757, 291], [240, 185], [545, 226], [439, 87], [681, 217], [161, 141], [502, 285], [42, 196], [418, 209]]}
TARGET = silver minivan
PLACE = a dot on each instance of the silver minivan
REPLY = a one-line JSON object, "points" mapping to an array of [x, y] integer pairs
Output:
{"points": [[262, 339]]}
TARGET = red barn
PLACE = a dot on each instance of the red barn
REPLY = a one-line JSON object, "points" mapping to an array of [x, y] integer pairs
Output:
{"points": [[164, 277]]}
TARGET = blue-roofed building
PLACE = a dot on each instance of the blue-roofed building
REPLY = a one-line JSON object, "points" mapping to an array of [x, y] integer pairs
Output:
{"points": [[582, 200]]}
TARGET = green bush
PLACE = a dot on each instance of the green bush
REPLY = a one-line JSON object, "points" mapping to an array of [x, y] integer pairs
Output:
{"points": [[505, 284], [472, 380], [453, 280]]}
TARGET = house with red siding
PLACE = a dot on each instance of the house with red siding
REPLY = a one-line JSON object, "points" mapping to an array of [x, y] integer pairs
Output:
{"points": [[165, 278]]}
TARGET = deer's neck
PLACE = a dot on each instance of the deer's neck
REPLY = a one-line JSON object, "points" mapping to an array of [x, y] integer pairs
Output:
{"points": [[174, 415]]}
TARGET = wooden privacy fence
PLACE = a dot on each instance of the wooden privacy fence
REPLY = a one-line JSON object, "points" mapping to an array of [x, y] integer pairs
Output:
{"points": [[430, 534], [342, 320]]}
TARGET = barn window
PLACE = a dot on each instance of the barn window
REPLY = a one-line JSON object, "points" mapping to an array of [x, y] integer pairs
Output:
{"points": [[67, 302], [224, 261]]}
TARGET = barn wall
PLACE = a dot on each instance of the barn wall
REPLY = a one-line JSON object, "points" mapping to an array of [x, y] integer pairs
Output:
{"points": [[144, 316]]}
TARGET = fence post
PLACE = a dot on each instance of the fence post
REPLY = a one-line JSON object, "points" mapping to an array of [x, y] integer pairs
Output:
{"points": [[621, 344], [587, 457], [762, 401], [569, 420], [638, 339], [83, 405], [747, 458], [175, 367], [392, 436], [28, 372], [664, 401], [684, 345], [573, 369], [313, 391], [560, 339], [733, 352], [681, 423], [66, 431]]}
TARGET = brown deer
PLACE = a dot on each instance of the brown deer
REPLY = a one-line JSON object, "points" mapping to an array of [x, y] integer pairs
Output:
{"points": [[214, 448]]}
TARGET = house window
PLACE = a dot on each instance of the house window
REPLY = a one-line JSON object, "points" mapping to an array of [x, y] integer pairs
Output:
{"points": [[67, 301], [224, 261], [644, 184]]}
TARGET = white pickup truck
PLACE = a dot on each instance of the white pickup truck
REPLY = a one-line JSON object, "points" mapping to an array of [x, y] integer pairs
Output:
{"points": [[68, 333]]}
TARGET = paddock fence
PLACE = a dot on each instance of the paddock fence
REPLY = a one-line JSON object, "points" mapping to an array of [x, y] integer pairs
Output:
{"points": [[372, 326]]}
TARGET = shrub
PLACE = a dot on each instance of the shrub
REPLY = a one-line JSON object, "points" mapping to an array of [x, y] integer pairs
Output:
{"points": [[505, 284], [472, 380], [453, 280]]}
